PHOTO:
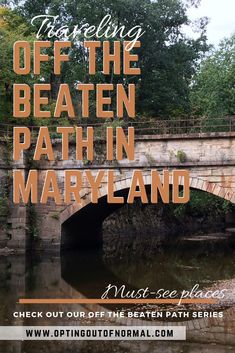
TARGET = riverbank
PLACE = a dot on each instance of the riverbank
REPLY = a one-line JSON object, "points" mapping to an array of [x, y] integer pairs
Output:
{"points": [[146, 228]]}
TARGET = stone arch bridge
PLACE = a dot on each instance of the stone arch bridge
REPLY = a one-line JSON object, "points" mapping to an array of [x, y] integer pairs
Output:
{"points": [[209, 158]]}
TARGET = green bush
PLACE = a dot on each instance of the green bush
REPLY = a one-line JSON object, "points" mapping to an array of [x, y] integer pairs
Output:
{"points": [[181, 156], [202, 204]]}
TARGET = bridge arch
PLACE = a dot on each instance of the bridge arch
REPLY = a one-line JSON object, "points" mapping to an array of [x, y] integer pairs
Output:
{"points": [[198, 183]]}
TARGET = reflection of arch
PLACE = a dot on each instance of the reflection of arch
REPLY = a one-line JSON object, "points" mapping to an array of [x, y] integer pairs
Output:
{"points": [[89, 274], [198, 329], [195, 327], [123, 184]]}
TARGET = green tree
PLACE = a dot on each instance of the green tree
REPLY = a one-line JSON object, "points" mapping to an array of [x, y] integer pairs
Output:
{"points": [[213, 92], [12, 28], [167, 57]]}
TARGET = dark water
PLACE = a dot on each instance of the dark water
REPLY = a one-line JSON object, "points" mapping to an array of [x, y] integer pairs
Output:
{"points": [[86, 274], [172, 269]]}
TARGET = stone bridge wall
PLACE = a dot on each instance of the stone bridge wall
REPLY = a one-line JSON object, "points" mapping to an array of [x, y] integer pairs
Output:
{"points": [[210, 159]]}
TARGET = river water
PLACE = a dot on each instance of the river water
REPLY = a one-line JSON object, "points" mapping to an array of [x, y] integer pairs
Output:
{"points": [[86, 274]]}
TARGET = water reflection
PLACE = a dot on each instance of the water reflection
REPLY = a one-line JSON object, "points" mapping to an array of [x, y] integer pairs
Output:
{"points": [[173, 268], [86, 274]]}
